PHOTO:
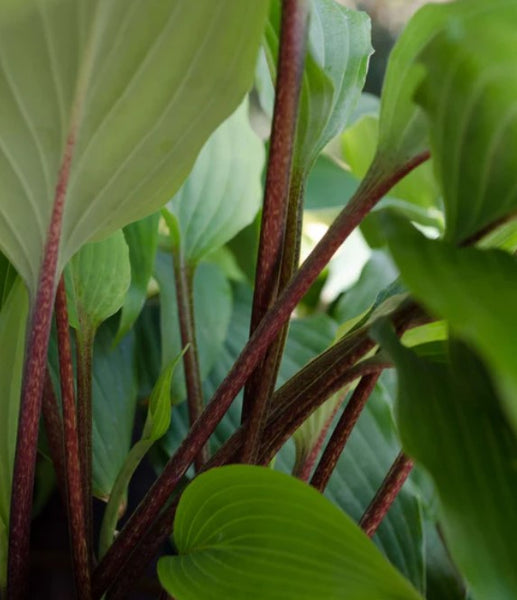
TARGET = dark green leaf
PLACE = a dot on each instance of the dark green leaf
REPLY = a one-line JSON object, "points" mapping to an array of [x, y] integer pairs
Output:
{"points": [[114, 403], [451, 421], [247, 532], [13, 323], [212, 311], [475, 290]]}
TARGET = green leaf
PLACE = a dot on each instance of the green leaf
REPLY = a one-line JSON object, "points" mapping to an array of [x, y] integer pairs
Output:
{"points": [[403, 127], [156, 424], [143, 85], [252, 533], [159, 412], [7, 278], [114, 403], [13, 323], [451, 421], [99, 276], [328, 185], [475, 290], [369, 453], [222, 194], [470, 96], [335, 70], [212, 312], [367, 457], [443, 581], [417, 195], [142, 240]]}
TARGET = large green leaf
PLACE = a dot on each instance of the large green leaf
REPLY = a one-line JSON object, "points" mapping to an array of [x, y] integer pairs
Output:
{"points": [[451, 421], [13, 322], [470, 96], [247, 532], [142, 84], [368, 455], [475, 290], [369, 452], [142, 240], [7, 278], [403, 128], [222, 193], [212, 312], [335, 70]]}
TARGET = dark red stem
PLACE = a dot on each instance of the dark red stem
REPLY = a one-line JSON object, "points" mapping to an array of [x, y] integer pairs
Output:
{"points": [[370, 191], [32, 391], [291, 58], [84, 352], [183, 278], [386, 494], [342, 431], [74, 480], [54, 430]]}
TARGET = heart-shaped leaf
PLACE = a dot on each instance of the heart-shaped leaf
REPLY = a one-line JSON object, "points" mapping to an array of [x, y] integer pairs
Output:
{"points": [[451, 421], [251, 533], [135, 88]]}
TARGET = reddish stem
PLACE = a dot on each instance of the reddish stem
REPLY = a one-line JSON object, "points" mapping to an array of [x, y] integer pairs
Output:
{"points": [[54, 430], [291, 58], [386, 494], [343, 430], [32, 391], [183, 277], [75, 495], [371, 190]]}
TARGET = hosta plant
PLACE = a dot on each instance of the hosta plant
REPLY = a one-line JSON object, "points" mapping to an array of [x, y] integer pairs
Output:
{"points": [[311, 433]]}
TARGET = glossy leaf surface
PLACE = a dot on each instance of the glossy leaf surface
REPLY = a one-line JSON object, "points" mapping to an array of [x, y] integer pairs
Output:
{"points": [[451, 421], [250, 532], [142, 85]]}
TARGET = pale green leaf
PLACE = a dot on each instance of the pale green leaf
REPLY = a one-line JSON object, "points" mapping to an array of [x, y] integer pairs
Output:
{"points": [[13, 322], [475, 290], [99, 276], [142, 83], [222, 194], [142, 240], [335, 70], [247, 532], [470, 96], [451, 421]]}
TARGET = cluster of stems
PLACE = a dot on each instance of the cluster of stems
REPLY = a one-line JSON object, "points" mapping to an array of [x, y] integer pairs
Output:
{"points": [[269, 417]]}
